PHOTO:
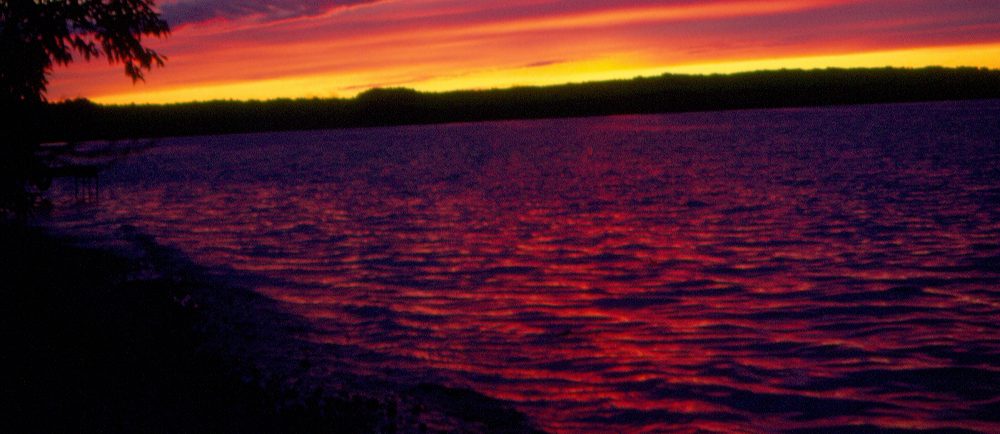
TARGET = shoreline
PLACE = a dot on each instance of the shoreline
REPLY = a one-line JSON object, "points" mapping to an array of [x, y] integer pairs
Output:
{"points": [[138, 144], [135, 338], [82, 120]]}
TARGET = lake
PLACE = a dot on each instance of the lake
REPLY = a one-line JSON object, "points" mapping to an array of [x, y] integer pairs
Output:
{"points": [[757, 270]]}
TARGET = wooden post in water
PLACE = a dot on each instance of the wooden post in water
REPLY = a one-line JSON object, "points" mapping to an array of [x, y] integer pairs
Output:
{"points": [[86, 183]]}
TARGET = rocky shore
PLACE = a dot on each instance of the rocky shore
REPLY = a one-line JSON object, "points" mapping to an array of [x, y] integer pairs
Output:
{"points": [[128, 339]]}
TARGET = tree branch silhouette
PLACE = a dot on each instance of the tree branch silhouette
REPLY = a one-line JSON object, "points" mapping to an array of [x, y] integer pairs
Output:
{"points": [[36, 35]]}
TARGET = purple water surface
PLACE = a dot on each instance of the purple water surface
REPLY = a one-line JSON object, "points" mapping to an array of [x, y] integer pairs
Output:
{"points": [[740, 271]]}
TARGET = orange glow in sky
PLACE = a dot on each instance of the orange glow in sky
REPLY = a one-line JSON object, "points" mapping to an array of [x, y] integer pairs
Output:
{"points": [[253, 49]]}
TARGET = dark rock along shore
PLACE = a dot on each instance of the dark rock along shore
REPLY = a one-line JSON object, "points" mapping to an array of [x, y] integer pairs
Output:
{"points": [[115, 341]]}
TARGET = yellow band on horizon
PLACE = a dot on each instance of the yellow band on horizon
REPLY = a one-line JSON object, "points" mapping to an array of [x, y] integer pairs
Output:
{"points": [[346, 85]]}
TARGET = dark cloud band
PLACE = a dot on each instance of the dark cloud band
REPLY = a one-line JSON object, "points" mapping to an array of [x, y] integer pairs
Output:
{"points": [[194, 11]]}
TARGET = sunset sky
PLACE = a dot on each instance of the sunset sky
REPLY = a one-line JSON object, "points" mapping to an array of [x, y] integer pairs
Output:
{"points": [[254, 49]]}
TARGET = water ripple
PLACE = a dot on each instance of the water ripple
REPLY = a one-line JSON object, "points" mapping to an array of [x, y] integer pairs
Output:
{"points": [[813, 270]]}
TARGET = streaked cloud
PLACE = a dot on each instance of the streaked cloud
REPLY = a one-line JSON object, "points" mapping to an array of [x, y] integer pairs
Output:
{"points": [[182, 12], [287, 48]]}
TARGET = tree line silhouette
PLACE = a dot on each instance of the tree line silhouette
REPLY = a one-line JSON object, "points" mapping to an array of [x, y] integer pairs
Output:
{"points": [[34, 36], [82, 120]]}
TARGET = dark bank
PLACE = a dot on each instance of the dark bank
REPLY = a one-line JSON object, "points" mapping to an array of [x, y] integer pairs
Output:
{"points": [[97, 341], [82, 120]]}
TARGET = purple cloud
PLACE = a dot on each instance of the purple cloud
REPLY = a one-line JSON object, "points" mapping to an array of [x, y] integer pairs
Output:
{"points": [[193, 11]]}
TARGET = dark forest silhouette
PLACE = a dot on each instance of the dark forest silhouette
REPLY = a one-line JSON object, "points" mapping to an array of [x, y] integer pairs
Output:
{"points": [[82, 120], [35, 36], [105, 343]]}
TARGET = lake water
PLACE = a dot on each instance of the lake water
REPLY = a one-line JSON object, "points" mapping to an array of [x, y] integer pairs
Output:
{"points": [[741, 271]]}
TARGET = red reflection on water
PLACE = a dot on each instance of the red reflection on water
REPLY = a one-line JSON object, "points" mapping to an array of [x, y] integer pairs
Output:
{"points": [[713, 271]]}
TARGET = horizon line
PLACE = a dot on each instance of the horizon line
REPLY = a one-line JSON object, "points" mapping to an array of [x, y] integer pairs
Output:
{"points": [[521, 86]]}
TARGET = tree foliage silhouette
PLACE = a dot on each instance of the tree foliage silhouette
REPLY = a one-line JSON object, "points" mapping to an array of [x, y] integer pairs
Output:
{"points": [[36, 35]]}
